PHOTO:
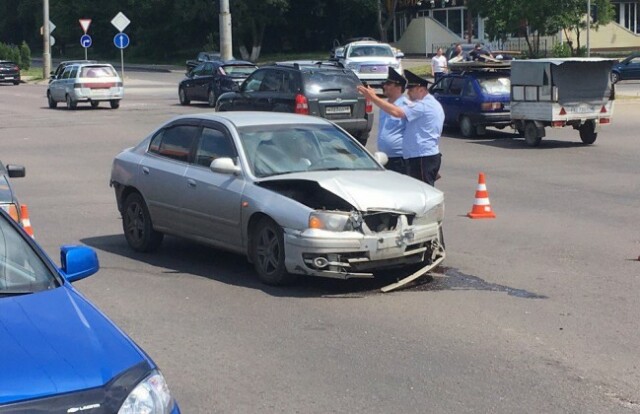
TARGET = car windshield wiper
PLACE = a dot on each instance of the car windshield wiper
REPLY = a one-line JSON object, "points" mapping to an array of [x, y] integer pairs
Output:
{"points": [[10, 292]]}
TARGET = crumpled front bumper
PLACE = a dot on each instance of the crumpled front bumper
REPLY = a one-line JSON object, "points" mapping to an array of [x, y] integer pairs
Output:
{"points": [[352, 254]]}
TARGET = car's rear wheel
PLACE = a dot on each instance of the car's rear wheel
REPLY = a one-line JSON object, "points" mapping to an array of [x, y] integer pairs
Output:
{"points": [[182, 95], [467, 128], [95, 104], [615, 77], [114, 103], [52, 103], [211, 98], [588, 132], [137, 225], [268, 253], [71, 104], [531, 136]]}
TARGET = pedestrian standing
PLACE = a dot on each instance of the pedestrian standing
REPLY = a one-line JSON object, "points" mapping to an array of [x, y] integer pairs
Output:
{"points": [[438, 65], [390, 128], [425, 120]]}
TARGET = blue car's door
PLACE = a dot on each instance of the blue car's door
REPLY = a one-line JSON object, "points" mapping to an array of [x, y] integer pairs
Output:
{"points": [[632, 70]]}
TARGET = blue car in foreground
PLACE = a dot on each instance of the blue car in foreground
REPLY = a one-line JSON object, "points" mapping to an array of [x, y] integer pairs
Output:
{"points": [[58, 352]]}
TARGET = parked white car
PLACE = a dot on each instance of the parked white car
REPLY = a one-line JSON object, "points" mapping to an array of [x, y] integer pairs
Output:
{"points": [[86, 82], [370, 60]]}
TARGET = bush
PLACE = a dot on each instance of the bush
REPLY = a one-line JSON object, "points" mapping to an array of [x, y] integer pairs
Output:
{"points": [[561, 50], [21, 55], [25, 56]]}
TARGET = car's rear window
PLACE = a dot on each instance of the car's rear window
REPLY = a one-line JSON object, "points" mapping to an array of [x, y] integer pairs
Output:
{"points": [[319, 82], [97, 72], [495, 86], [235, 70]]}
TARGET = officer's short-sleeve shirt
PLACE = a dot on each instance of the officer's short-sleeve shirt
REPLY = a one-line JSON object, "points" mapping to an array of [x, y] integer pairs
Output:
{"points": [[391, 130], [425, 119]]}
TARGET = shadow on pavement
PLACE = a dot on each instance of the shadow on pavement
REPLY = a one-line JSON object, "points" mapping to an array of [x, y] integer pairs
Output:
{"points": [[182, 256]]}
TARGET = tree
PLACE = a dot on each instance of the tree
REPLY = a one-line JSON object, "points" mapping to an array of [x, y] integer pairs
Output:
{"points": [[250, 19], [573, 15]]}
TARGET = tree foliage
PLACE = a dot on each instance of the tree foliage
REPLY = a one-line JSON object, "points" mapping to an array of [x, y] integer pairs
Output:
{"points": [[533, 19]]}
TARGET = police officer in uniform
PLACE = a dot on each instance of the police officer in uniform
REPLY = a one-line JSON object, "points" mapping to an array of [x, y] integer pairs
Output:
{"points": [[425, 120], [390, 128]]}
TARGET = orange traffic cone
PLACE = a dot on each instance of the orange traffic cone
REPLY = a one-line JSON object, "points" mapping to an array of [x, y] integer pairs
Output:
{"points": [[481, 206], [26, 223]]}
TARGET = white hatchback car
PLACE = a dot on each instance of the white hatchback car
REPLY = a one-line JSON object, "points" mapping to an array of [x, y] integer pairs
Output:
{"points": [[370, 60], [86, 82]]}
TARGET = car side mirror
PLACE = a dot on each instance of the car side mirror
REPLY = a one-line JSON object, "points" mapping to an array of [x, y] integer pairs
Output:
{"points": [[399, 55], [224, 165], [381, 157], [339, 55], [16, 171], [78, 262]]}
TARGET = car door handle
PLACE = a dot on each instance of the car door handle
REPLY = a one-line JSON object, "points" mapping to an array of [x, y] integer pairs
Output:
{"points": [[191, 182], [145, 170]]}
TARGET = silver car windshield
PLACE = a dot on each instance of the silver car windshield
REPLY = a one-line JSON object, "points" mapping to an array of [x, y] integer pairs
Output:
{"points": [[22, 271], [283, 149]]}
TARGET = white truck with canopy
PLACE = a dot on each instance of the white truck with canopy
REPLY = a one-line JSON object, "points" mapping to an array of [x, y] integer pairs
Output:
{"points": [[573, 92]]}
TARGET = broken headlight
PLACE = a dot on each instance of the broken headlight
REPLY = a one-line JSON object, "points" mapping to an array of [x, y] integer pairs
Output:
{"points": [[434, 215], [335, 220]]}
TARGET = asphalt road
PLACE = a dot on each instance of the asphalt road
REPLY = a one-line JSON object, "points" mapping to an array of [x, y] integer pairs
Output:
{"points": [[535, 311]]}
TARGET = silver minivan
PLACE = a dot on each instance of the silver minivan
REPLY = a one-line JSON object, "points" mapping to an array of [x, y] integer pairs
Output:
{"points": [[86, 82]]}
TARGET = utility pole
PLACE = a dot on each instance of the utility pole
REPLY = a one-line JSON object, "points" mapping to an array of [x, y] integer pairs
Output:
{"points": [[46, 47], [226, 49], [588, 27]]}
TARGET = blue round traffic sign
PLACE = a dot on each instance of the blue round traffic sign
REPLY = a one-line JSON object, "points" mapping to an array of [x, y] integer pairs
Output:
{"points": [[121, 40], [85, 41]]}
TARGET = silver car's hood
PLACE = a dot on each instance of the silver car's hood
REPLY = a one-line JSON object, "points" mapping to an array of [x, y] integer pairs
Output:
{"points": [[373, 190]]}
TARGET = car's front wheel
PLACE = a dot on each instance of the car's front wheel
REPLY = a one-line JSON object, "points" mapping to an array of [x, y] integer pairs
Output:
{"points": [[211, 98], [182, 95], [615, 77], [137, 225], [268, 253], [467, 128], [52, 103]]}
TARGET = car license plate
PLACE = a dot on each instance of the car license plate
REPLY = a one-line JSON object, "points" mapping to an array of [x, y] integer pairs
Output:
{"points": [[8, 77], [332, 110]]}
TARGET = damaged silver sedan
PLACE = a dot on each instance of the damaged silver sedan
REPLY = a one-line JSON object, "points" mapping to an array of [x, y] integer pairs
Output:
{"points": [[296, 194]]}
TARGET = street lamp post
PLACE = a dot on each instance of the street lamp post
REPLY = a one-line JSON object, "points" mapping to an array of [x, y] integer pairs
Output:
{"points": [[226, 49], [588, 27], [46, 46]]}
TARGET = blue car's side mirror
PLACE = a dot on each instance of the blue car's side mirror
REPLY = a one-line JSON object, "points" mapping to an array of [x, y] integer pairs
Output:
{"points": [[78, 262]]}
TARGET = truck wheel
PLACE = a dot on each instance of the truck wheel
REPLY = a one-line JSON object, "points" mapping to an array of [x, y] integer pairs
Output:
{"points": [[588, 132], [467, 128], [531, 136]]}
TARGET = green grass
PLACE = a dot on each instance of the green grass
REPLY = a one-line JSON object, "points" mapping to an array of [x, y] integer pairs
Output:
{"points": [[422, 70], [34, 73]]}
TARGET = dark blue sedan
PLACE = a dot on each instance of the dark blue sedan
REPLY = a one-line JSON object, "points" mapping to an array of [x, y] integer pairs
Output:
{"points": [[473, 100], [58, 352], [627, 69], [207, 81]]}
